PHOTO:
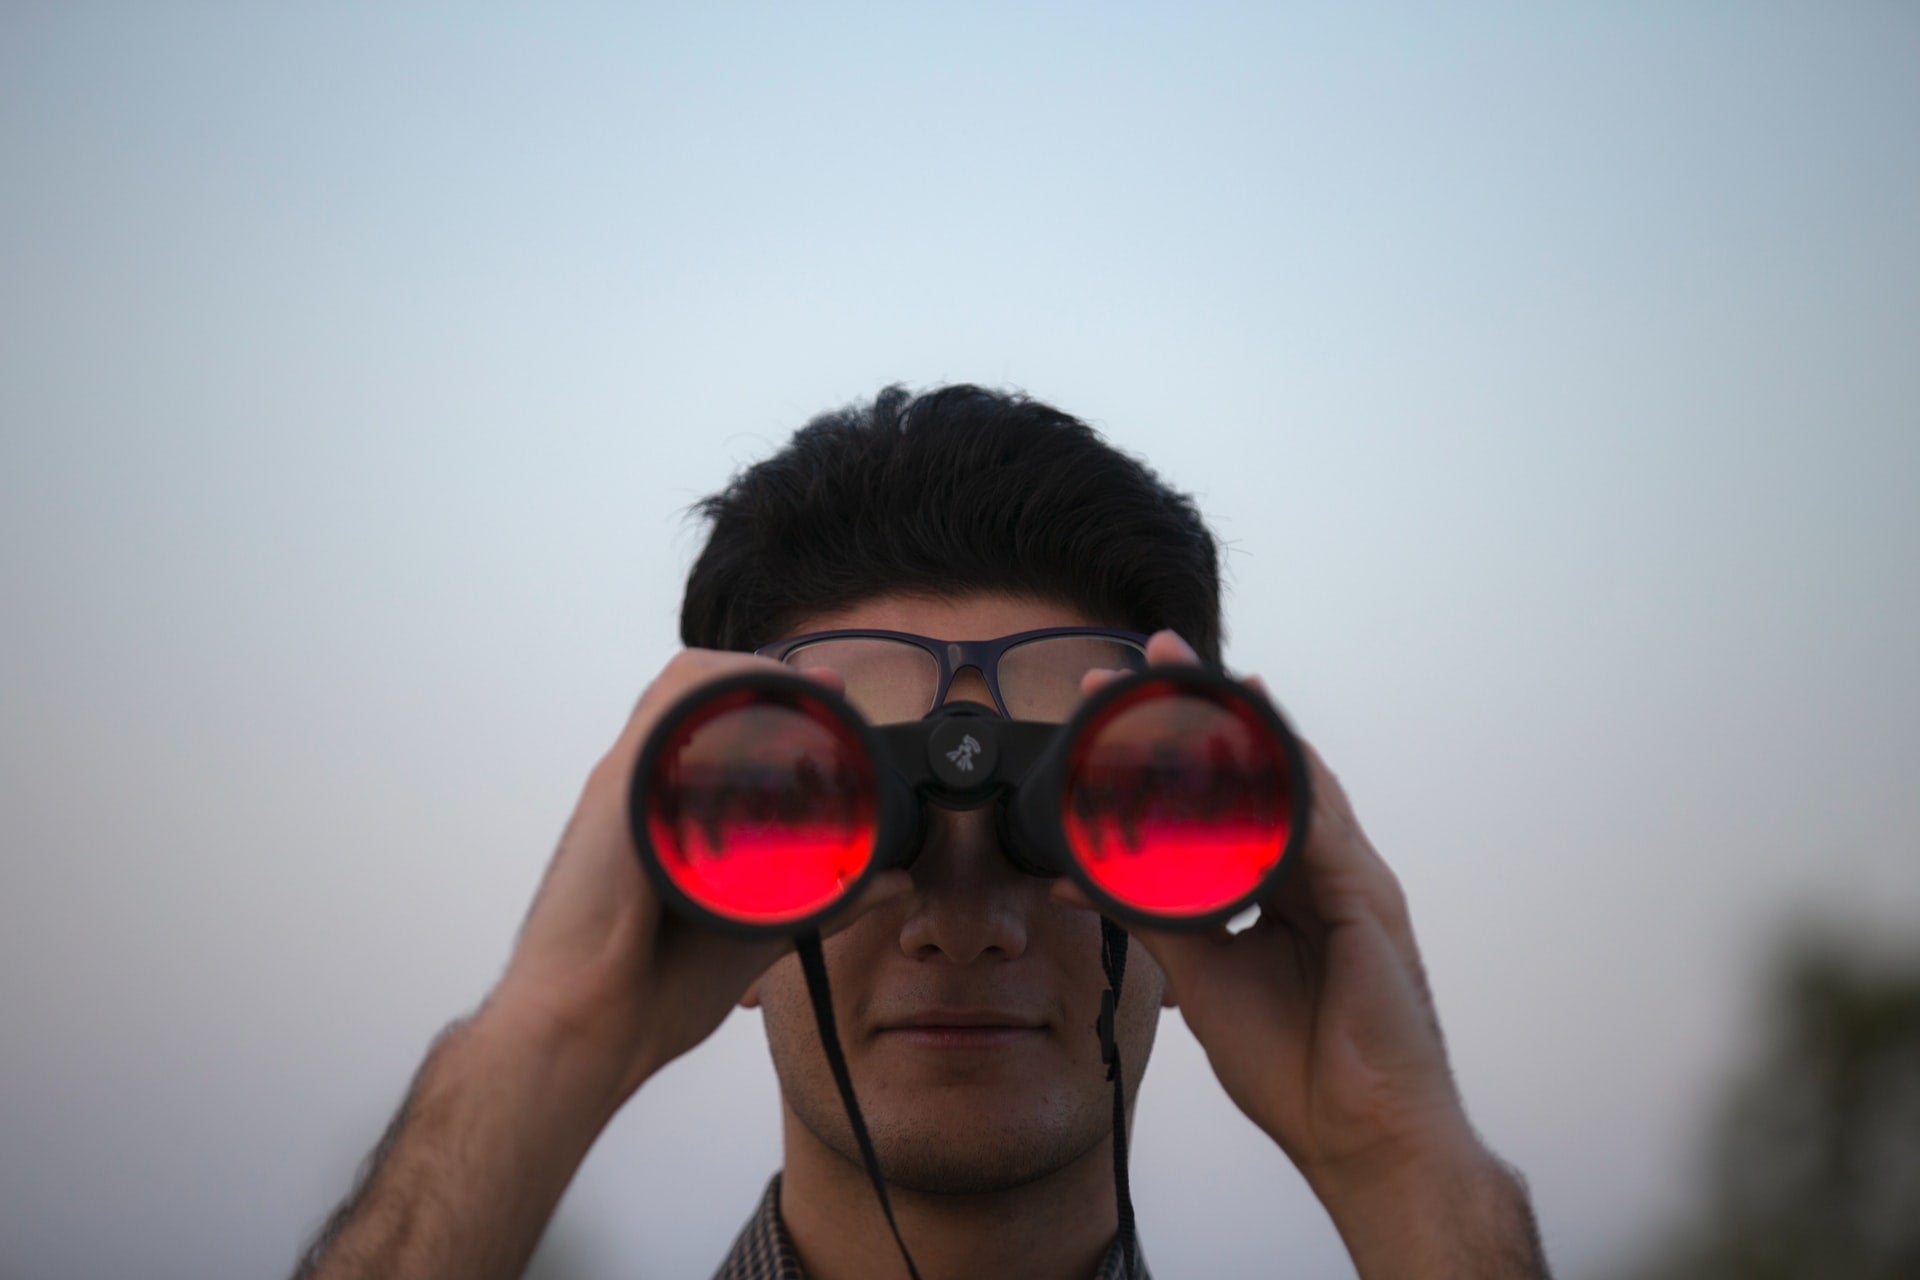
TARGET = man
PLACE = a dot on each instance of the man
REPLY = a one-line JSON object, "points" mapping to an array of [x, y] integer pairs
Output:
{"points": [[964, 991]]}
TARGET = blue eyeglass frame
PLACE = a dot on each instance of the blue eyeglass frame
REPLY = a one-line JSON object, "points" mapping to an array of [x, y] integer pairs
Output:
{"points": [[955, 656]]}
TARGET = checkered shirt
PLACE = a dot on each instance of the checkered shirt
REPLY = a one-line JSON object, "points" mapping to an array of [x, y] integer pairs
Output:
{"points": [[763, 1251]]}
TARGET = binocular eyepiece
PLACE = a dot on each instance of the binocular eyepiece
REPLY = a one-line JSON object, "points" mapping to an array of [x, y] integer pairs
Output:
{"points": [[1174, 797]]}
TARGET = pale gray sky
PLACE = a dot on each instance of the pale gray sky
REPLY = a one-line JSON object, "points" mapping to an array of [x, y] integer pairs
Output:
{"points": [[1551, 374]]}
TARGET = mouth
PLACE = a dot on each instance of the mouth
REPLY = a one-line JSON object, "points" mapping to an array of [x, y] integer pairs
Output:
{"points": [[962, 1029]]}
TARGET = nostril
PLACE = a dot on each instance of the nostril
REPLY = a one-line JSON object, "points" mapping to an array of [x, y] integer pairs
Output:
{"points": [[968, 900]]}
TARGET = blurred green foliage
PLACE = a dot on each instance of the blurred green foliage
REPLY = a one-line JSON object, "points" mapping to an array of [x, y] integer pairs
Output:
{"points": [[1813, 1163]]}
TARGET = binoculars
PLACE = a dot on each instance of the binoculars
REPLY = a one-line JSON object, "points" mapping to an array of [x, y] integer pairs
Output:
{"points": [[1175, 797]]}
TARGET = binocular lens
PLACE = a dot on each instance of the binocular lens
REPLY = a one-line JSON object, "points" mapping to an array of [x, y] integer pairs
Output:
{"points": [[1178, 800], [763, 806]]}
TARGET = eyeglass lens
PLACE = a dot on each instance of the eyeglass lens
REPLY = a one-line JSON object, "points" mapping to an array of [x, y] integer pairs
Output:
{"points": [[889, 681]]}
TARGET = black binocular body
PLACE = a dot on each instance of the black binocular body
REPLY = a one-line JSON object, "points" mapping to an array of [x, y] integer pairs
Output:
{"points": [[1175, 797]]}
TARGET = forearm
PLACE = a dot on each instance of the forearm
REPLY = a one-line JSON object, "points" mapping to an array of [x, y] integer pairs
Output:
{"points": [[1463, 1217], [496, 1123]]}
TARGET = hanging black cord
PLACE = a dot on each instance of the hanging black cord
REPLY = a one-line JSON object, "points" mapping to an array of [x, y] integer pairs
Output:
{"points": [[814, 963], [1113, 959]]}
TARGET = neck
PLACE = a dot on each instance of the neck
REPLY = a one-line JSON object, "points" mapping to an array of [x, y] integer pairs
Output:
{"points": [[1057, 1227]]}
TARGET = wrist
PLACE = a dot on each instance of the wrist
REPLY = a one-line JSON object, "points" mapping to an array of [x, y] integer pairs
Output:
{"points": [[1415, 1154], [583, 1069], [1451, 1208], [468, 1173]]}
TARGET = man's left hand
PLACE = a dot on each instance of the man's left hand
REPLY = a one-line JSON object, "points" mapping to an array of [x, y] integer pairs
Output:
{"points": [[1319, 1023]]}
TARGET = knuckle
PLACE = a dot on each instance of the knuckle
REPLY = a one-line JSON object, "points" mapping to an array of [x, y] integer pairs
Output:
{"points": [[606, 782]]}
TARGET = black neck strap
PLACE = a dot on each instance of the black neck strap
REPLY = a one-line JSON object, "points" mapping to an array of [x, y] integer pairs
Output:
{"points": [[815, 965], [1113, 958]]}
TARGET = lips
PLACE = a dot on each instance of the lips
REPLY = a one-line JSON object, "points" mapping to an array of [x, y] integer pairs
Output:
{"points": [[962, 1019], [963, 1030]]}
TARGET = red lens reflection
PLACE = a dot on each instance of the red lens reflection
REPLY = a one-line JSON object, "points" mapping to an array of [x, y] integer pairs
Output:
{"points": [[1178, 802], [761, 807]]}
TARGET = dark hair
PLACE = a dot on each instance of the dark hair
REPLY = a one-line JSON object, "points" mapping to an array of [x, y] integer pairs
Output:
{"points": [[960, 489]]}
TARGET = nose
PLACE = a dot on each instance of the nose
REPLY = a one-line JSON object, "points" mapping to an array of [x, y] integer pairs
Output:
{"points": [[969, 901]]}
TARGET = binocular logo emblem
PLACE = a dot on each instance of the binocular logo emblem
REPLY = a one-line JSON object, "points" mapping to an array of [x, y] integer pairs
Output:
{"points": [[962, 755]]}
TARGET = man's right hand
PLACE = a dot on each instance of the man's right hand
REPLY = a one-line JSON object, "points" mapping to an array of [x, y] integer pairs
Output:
{"points": [[605, 986], [601, 964]]}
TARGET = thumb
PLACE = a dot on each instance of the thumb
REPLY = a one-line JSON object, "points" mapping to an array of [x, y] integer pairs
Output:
{"points": [[887, 886]]}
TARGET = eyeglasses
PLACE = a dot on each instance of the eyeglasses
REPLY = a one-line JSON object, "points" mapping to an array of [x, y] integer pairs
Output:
{"points": [[892, 676]]}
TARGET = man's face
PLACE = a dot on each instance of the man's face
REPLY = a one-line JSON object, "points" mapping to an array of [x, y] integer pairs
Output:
{"points": [[966, 1009]]}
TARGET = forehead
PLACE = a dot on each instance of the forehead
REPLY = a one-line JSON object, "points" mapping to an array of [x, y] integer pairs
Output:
{"points": [[982, 616]]}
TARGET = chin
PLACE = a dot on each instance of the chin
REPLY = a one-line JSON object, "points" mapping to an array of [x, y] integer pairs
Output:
{"points": [[970, 1146]]}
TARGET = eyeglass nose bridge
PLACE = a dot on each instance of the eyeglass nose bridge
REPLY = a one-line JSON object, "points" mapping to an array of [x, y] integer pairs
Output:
{"points": [[979, 659]]}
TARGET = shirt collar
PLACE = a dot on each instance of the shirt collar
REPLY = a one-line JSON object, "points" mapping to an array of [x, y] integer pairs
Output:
{"points": [[762, 1250]]}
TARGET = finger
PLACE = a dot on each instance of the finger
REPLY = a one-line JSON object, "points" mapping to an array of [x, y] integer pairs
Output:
{"points": [[685, 672], [1164, 649], [826, 677], [1328, 793], [887, 886], [1291, 906], [1099, 678], [1068, 894], [1346, 877], [1187, 958], [1167, 649]]}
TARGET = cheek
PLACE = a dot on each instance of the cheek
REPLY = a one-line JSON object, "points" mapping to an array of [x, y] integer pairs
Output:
{"points": [[1141, 990], [1074, 946], [1140, 997], [784, 1009], [785, 1004]]}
